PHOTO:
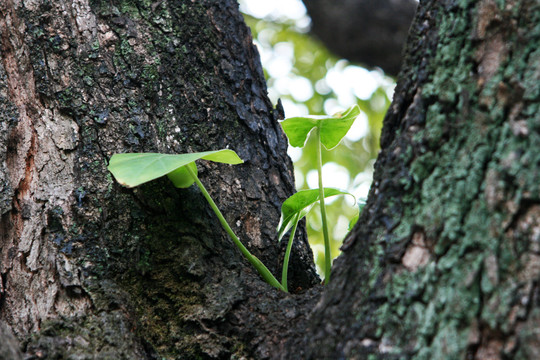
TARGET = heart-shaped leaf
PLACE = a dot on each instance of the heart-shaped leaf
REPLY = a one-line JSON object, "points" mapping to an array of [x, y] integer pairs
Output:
{"points": [[298, 129], [299, 204], [332, 128], [335, 128], [133, 169]]}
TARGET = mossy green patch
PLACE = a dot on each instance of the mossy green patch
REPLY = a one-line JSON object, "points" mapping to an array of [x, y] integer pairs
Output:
{"points": [[464, 212]]}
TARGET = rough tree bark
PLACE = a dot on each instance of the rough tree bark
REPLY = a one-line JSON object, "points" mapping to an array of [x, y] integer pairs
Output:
{"points": [[91, 268], [444, 262]]}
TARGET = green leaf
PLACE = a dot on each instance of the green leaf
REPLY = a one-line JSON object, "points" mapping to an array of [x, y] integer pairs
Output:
{"points": [[332, 128], [354, 220], [298, 129], [133, 169], [300, 203], [181, 178]]}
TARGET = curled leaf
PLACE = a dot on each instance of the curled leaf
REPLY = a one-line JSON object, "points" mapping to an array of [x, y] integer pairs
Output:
{"points": [[298, 129], [181, 178], [299, 204]]}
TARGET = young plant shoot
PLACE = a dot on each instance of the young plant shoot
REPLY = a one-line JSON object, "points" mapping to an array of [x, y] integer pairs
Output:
{"points": [[135, 169], [329, 131], [292, 211]]}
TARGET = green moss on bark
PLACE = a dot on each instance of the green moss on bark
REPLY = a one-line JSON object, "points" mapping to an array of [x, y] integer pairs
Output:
{"points": [[462, 198], [439, 264]]}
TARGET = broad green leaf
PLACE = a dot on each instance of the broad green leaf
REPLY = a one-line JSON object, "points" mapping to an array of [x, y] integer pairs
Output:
{"points": [[300, 203], [298, 129], [332, 128], [133, 169]]}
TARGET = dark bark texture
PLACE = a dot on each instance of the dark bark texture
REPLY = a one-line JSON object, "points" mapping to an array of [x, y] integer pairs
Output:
{"points": [[89, 268], [370, 32], [444, 262]]}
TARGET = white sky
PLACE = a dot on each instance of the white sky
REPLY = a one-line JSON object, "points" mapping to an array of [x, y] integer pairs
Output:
{"points": [[276, 10]]}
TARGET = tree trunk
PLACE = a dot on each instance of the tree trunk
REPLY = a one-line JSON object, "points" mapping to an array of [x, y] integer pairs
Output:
{"points": [[443, 262], [89, 267]]}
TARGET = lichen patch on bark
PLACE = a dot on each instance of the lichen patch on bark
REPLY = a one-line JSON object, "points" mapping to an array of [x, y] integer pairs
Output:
{"points": [[417, 253]]}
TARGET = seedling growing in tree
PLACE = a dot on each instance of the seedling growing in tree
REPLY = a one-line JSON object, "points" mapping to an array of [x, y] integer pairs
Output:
{"points": [[134, 169], [292, 211], [137, 168], [329, 131]]}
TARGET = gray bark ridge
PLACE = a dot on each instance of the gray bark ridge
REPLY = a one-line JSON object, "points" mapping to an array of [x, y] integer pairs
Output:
{"points": [[9, 347]]}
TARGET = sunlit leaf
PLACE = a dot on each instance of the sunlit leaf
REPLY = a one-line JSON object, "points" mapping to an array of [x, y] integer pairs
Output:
{"points": [[300, 203], [298, 129], [133, 169], [332, 128]]}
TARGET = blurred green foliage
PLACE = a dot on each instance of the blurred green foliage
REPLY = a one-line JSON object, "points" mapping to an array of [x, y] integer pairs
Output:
{"points": [[350, 164]]}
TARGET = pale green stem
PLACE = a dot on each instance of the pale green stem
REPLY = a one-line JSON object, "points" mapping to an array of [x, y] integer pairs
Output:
{"points": [[261, 268], [288, 254], [327, 255]]}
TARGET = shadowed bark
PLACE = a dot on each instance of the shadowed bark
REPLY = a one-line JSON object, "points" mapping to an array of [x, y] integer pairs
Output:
{"points": [[9, 347], [443, 262]]}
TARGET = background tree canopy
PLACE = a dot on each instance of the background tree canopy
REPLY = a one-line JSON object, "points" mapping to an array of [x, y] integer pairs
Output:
{"points": [[309, 79]]}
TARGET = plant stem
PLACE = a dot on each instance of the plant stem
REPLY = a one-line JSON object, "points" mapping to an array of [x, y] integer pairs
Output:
{"points": [[261, 268], [288, 254], [327, 255]]}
